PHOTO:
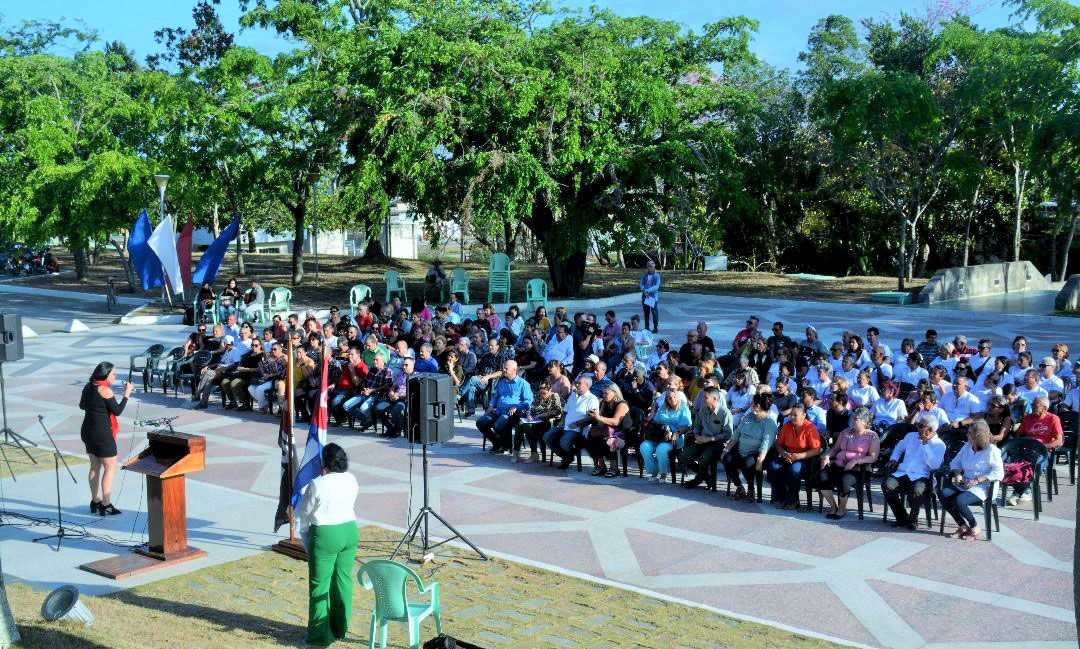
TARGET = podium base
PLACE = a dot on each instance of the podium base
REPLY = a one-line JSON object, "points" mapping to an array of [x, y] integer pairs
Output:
{"points": [[290, 548], [129, 565]]}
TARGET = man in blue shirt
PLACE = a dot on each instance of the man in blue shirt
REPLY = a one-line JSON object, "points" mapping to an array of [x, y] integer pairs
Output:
{"points": [[509, 399], [426, 363]]}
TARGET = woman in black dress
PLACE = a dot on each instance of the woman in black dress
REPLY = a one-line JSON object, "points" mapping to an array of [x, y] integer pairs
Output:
{"points": [[99, 429]]}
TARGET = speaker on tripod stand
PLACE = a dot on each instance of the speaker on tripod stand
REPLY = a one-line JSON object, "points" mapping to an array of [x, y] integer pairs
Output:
{"points": [[11, 349], [429, 420]]}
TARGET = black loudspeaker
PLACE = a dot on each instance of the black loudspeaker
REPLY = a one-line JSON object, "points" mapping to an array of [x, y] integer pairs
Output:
{"points": [[429, 409], [11, 347]]}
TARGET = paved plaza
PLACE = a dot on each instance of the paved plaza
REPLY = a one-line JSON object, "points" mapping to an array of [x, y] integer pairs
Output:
{"points": [[857, 581]]}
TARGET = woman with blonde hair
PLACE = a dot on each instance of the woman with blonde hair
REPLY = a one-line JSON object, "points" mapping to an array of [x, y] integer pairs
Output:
{"points": [[972, 470]]}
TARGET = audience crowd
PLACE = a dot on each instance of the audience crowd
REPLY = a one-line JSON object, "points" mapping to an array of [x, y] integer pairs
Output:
{"points": [[924, 417]]}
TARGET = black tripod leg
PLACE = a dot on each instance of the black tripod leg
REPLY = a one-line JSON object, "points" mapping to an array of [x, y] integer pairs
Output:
{"points": [[7, 462], [457, 533], [13, 438], [410, 534]]}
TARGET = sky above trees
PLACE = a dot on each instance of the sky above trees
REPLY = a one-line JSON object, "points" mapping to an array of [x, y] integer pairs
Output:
{"points": [[784, 24]]}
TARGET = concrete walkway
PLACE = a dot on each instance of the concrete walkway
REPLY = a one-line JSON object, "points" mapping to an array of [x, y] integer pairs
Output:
{"points": [[855, 580]]}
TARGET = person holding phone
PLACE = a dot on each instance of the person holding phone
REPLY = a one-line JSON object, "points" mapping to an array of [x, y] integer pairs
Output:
{"points": [[98, 433]]}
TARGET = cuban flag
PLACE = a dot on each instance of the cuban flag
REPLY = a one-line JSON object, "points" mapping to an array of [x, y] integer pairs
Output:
{"points": [[311, 465]]}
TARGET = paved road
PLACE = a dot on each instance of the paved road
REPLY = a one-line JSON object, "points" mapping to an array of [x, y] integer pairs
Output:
{"points": [[50, 314]]}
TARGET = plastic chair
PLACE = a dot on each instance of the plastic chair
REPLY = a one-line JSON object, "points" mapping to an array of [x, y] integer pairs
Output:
{"points": [[1070, 439], [194, 364], [357, 294], [152, 352], [394, 284], [459, 283], [278, 302], [161, 368], [989, 506], [1025, 449], [215, 311], [390, 580], [536, 293], [260, 312], [499, 276]]}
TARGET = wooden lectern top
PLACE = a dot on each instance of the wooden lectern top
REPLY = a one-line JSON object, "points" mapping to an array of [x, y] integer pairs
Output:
{"points": [[169, 455]]}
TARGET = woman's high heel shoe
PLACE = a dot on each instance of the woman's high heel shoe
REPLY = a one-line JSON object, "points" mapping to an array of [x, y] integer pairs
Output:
{"points": [[95, 506], [108, 510]]}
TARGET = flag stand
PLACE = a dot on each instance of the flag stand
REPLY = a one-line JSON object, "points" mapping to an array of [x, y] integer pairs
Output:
{"points": [[292, 546]]}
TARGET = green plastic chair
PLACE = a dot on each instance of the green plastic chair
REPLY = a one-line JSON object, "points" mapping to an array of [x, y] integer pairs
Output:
{"points": [[535, 294], [215, 313], [498, 276], [358, 294], [394, 284], [148, 358], [389, 580], [279, 300], [459, 283]]}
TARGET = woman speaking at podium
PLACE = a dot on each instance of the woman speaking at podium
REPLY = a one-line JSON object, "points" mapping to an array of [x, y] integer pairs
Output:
{"points": [[99, 430]]}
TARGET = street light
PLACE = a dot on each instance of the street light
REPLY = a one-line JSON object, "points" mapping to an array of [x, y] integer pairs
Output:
{"points": [[313, 178], [162, 181]]}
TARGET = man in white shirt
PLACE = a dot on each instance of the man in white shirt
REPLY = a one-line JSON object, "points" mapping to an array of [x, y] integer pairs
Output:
{"points": [[881, 370], [873, 341], [565, 439], [560, 348], [982, 363], [946, 360], [913, 460], [1049, 380], [1029, 390], [960, 404]]}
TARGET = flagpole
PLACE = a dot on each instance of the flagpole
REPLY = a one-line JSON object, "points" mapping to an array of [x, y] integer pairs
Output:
{"points": [[292, 546]]}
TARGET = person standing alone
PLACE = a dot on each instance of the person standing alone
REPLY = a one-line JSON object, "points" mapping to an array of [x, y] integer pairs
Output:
{"points": [[98, 433], [650, 295]]}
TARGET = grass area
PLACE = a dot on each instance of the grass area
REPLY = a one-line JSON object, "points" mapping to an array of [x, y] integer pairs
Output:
{"points": [[21, 465], [261, 601], [337, 274]]}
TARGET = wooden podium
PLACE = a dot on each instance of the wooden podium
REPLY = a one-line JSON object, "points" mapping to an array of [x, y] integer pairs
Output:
{"points": [[165, 462]]}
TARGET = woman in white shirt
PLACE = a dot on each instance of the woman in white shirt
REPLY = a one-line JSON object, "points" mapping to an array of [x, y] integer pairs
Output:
{"points": [[739, 397], [972, 470], [862, 393], [939, 380], [989, 390], [327, 522], [888, 409]]}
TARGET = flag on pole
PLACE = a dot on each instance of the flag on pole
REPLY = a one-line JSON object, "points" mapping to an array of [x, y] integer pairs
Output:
{"points": [[163, 243], [288, 449], [143, 260], [183, 252], [311, 465], [211, 260]]}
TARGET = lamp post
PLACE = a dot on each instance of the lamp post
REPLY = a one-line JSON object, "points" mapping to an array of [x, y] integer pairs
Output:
{"points": [[313, 178], [162, 181]]}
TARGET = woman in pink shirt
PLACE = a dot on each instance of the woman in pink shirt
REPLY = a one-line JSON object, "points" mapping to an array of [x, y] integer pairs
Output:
{"points": [[854, 446]]}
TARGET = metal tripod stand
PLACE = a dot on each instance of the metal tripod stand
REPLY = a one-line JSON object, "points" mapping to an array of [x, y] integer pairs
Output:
{"points": [[421, 521], [8, 436], [61, 533]]}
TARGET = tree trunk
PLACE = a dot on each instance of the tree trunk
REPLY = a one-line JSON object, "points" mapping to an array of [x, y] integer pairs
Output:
{"points": [[1018, 187], [298, 245], [567, 274], [373, 250], [251, 241], [9, 633], [901, 262], [129, 270], [214, 224], [78, 249], [1065, 254], [239, 258]]}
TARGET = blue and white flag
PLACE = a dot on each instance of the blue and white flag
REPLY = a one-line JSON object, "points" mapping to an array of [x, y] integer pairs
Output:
{"points": [[311, 465], [210, 261], [146, 263], [163, 243]]}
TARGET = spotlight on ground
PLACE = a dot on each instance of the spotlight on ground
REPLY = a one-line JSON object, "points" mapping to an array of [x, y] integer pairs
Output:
{"points": [[63, 603]]}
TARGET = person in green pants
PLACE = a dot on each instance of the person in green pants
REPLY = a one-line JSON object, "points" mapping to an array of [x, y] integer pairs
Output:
{"points": [[327, 522]]}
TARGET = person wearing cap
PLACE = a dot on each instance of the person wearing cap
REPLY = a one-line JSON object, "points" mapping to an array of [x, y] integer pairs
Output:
{"points": [[961, 349], [929, 348], [1049, 380], [813, 342]]}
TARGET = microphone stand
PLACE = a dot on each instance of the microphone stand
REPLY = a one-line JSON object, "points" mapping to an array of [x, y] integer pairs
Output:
{"points": [[61, 533]]}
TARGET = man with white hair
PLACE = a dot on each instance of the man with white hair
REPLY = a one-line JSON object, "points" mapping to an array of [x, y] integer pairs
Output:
{"points": [[1049, 380], [510, 397], [912, 462], [564, 440]]}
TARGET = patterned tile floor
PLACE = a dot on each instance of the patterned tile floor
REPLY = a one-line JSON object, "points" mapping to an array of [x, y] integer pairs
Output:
{"points": [[857, 580]]}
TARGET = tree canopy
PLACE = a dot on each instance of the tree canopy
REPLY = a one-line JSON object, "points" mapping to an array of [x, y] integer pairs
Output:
{"points": [[902, 144]]}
